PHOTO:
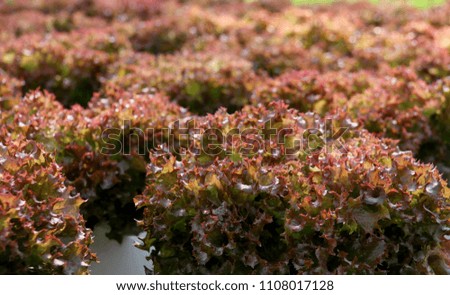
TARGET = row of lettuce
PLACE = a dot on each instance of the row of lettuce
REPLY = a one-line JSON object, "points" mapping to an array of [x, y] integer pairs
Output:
{"points": [[246, 138]]}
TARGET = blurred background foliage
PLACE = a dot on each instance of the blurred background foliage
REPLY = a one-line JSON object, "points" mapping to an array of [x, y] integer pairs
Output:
{"points": [[416, 3]]}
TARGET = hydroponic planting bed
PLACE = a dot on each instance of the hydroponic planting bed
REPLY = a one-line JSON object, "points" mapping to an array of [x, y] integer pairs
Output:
{"points": [[242, 137]]}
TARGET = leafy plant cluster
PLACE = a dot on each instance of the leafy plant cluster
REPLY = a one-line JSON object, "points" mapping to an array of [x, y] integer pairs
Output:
{"points": [[201, 82], [396, 105], [119, 102], [362, 206], [41, 228], [102, 159]]}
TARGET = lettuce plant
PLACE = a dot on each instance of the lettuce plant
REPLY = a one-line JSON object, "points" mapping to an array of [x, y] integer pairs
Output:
{"points": [[274, 191], [184, 26], [72, 74], [201, 82], [394, 103], [124, 8], [41, 228], [102, 150]]}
